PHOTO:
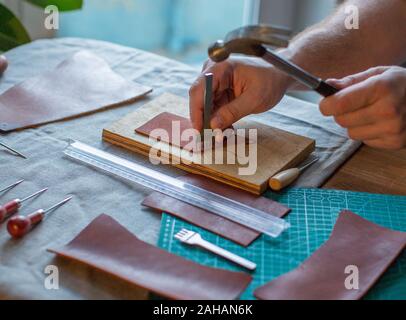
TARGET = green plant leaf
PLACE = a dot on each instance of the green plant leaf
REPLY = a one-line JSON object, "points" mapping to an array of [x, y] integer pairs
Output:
{"points": [[63, 5], [12, 32]]}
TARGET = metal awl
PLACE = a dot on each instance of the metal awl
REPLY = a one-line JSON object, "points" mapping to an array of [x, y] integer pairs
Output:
{"points": [[13, 150]]}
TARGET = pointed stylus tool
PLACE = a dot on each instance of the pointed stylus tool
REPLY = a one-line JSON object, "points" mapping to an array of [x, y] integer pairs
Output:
{"points": [[208, 100], [13, 206], [12, 185], [19, 226], [13, 150], [207, 108], [287, 177]]}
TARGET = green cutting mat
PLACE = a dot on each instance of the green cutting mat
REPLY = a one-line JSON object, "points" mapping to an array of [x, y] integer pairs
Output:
{"points": [[314, 212]]}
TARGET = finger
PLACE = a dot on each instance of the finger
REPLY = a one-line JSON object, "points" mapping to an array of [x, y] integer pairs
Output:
{"points": [[377, 130], [196, 93], [230, 113], [388, 142], [350, 99], [374, 113], [378, 143], [223, 99], [206, 65], [358, 118], [356, 78], [196, 103]]}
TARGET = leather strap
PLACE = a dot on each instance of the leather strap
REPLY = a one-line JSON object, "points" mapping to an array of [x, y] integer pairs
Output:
{"points": [[106, 245], [327, 274]]}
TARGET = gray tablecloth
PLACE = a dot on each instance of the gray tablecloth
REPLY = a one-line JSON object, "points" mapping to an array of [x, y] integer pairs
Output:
{"points": [[23, 262]]}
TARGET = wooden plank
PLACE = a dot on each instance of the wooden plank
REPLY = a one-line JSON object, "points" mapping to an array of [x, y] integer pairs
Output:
{"points": [[372, 170], [277, 149]]}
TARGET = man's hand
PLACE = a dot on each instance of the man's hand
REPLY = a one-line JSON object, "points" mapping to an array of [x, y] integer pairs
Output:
{"points": [[372, 106], [240, 87]]}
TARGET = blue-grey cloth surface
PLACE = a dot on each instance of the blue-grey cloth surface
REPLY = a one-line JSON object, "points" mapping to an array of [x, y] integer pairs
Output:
{"points": [[23, 262]]}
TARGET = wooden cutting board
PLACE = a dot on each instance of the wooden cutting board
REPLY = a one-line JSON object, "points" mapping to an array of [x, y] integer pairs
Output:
{"points": [[277, 149]]}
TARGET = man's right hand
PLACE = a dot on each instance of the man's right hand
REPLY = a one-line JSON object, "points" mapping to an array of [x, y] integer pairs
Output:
{"points": [[241, 86]]}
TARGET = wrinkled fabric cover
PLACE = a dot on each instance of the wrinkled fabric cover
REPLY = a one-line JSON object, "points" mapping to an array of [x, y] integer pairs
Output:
{"points": [[22, 262]]}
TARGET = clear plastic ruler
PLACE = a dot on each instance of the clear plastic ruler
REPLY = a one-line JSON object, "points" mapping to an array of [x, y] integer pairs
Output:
{"points": [[227, 208]]}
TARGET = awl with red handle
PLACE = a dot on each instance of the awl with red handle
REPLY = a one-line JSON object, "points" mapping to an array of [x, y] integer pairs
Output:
{"points": [[12, 207], [19, 226]]}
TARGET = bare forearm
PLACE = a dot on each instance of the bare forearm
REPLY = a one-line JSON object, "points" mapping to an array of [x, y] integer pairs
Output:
{"points": [[330, 50]]}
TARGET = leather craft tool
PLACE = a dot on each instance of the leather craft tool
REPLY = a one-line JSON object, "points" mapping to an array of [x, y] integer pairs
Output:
{"points": [[19, 226], [12, 185], [13, 206], [13, 150], [195, 239], [287, 177], [251, 40], [227, 208], [208, 101]]}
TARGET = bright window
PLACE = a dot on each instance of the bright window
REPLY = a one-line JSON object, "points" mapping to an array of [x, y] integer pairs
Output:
{"points": [[180, 29]]}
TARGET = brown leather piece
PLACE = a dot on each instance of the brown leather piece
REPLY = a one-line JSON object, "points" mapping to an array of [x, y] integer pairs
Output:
{"points": [[79, 85], [209, 221], [106, 245], [354, 242], [164, 121]]}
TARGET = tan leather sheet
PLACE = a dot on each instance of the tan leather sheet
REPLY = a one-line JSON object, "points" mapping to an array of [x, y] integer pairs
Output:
{"points": [[106, 245], [324, 276], [209, 221], [79, 85]]}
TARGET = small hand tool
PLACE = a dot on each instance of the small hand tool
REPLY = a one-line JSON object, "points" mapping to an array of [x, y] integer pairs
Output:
{"points": [[208, 100], [13, 206], [19, 226], [251, 40], [193, 238], [287, 177], [13, 150], [12, 185]]}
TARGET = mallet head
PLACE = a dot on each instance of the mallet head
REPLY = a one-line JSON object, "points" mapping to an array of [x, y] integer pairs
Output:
{"points": [[248, 40]]}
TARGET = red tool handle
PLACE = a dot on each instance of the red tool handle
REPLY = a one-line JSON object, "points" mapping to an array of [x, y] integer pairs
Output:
{"points": [[19, 226], [9, 209]]}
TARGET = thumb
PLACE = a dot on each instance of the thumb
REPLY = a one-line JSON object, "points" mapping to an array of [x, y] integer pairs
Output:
{"points": [[230, 113], [356, 78]]}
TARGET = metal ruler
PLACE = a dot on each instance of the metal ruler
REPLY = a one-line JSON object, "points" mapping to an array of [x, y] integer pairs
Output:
{"points": [[227, 208]]}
